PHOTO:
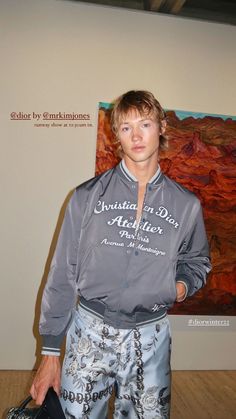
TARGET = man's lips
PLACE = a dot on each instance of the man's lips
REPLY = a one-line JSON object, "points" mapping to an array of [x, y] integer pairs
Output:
{"points": [[138, 148]]}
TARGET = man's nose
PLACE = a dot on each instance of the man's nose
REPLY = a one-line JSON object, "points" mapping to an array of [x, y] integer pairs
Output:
{"points": [[136, 134]]}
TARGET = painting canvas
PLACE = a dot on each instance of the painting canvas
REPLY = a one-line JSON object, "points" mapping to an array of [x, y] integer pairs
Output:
{"points": [[202, 157]]}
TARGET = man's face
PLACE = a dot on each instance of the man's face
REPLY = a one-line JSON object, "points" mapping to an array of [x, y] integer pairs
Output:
{"points": [[139, 137]]}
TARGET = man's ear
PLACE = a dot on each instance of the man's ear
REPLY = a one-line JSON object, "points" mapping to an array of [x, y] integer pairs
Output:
{"points": [[163, 126]]}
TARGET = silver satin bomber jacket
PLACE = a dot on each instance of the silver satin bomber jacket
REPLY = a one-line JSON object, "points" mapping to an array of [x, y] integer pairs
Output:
{"points": [[104, 255]]}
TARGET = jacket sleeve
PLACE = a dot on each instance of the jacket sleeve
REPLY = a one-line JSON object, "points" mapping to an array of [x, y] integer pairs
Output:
{"points": [[60, 296], [193, 263]]}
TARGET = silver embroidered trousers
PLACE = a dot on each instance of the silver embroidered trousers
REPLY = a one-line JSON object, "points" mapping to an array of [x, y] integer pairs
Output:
{"points": [[100, 359]]}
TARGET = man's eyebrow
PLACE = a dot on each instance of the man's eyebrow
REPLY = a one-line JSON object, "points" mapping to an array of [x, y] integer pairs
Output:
{"points": [[141, 120]]}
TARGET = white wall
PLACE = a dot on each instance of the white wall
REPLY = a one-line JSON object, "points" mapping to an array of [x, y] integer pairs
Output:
{"points": [[67, 56]]}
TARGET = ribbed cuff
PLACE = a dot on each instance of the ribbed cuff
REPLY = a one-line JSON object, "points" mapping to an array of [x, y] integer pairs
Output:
{"points": [[51, 344], [50, 351]]}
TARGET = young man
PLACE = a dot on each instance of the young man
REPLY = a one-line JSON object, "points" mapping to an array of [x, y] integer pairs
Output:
{"points": [[132, 243]]}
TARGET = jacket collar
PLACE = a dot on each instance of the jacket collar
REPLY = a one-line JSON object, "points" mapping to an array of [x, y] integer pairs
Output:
{"points": [[126, 174]]}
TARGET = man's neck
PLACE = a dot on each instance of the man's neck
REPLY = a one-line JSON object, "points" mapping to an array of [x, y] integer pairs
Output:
{"points": [[142, 171]]}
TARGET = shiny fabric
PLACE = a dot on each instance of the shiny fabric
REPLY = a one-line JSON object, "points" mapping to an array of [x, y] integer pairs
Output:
{"points": [[104, 255], [135, 362]]}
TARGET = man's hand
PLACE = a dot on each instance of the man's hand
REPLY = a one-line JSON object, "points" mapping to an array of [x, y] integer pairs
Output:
{"points": [[181, 291], [48, 375]]}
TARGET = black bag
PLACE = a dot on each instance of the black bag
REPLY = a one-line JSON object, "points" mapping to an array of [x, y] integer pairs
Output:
{"points": [[50, 409]]}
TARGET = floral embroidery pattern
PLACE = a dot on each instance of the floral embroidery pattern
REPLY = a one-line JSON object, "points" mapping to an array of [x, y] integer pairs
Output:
{"points": [[98, 357]]}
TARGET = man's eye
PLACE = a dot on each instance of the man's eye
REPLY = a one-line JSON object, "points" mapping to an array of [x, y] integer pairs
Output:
{"points": [[146, 125]]}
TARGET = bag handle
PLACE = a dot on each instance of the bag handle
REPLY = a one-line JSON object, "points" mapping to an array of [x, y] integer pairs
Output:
{"points": [[25, 402], [22, 406]]}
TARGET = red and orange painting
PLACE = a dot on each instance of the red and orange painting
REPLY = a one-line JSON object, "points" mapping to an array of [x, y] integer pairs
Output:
{"points": [[202, 157]]}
